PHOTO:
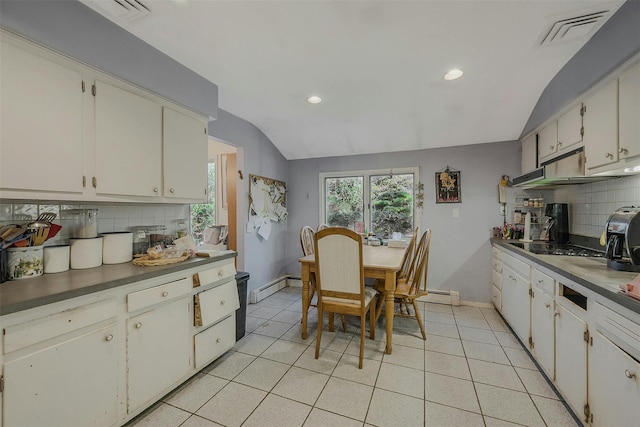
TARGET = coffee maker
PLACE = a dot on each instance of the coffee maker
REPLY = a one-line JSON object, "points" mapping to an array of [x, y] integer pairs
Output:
{"points": [[558, 229], [623, 239]]}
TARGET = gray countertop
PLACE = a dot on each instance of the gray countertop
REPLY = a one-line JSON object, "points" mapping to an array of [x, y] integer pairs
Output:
{"points": [[22, 295], [592, 273]]}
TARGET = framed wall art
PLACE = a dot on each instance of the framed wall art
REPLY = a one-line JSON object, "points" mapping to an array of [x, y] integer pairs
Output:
{"points": [[448, 186]]}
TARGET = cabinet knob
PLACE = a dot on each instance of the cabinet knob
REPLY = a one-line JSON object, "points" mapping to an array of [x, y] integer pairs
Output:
{"points": [[222, 302], [138, 325], [623, 150], [108, 337], [155, 189], [171, 190], [629, 374], [559, 144], [165, 293], [218, 340], [220, 273], [609, 156], [546, 304], [541, 281], [557, 313]]}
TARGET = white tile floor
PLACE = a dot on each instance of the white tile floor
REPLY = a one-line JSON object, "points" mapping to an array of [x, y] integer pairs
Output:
{"points": [[470, 371]]}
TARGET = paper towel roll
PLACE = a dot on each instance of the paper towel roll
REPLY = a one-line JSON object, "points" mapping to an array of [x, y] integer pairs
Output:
{"points": [[527, 228]]}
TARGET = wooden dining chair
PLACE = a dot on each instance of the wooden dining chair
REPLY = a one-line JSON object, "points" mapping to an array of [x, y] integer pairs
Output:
{"points": [[340, 281], [322, 226], [414, 286], [405, 271], [307, 242]]}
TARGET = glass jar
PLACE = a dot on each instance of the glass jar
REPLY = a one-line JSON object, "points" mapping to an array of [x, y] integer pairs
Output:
{"points": [[140, 240], [85, 223]]}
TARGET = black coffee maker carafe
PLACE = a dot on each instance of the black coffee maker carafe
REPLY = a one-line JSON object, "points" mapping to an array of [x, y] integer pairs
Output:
{"points": [[559, 214]]}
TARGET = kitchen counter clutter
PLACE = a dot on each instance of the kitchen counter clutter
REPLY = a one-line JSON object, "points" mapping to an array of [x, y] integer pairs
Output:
{"points": [[584, 332], [99, 346]]}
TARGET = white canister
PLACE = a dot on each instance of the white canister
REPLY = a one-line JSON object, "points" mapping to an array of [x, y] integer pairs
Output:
{"points": [[117, 247], [86, 253], [56, 258], [24, 263]]}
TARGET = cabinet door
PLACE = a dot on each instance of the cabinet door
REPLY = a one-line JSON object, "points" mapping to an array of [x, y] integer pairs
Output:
{"points": [[542, 330], [601, 126], [529, 153], [128, 143], [571, 358], [41, 132], [158, 351], [630, 113], [570, 127], [515, 302], [185, 156], [74, 383], [548, 141], [614, 384]]}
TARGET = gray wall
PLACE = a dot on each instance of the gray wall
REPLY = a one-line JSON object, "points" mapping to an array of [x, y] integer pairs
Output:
{"points": [[616, 42], [460, 249]]}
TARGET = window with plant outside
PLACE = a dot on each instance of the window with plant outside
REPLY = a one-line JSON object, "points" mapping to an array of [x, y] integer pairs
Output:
{"points": [[204, 215], [382, 200]]}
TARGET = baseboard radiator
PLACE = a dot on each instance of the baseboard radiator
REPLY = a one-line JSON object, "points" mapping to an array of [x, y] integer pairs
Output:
{"points": [[442, 297], [264, 291]]}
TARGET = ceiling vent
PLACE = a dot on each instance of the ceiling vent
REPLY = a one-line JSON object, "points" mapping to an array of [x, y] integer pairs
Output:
{"points": [[577, 25], [125, 10]]}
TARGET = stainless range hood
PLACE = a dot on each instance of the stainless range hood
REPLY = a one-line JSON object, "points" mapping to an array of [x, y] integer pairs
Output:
{"points": [[567, 169]]}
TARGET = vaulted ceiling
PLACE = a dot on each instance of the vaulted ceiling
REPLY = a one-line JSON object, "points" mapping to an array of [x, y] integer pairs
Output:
{"points": [[377, 65]]}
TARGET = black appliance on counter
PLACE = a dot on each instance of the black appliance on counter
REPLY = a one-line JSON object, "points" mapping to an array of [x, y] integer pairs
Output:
{"points": [[559, 223], [623, 239]]}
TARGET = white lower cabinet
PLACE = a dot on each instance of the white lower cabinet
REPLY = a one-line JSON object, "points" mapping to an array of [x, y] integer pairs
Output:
{"points": [[158, 351], [70, 383], [614, 384], [214, 341], [515, 301], [543, 330], [571, 356]]}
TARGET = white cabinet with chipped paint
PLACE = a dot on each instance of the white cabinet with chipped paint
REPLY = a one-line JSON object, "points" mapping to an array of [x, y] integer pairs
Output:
{"points": [[629, 113], [542, 344], [601, 126]]}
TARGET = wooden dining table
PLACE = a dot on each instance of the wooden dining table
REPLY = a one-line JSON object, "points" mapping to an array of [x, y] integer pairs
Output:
{"points": [[380, 262]]}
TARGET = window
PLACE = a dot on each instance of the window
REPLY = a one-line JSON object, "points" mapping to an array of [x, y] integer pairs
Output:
{"points": [[381, 199], [204, 215]]}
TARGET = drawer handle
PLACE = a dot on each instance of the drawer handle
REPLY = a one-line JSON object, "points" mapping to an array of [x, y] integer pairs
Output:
{"points": [[171, 190], [165, 293], [218, 340], [546, 304], [541, 281], [222, 302], [629, 374], [109, 337], [155, 190], [138, 325], [220, 273]]}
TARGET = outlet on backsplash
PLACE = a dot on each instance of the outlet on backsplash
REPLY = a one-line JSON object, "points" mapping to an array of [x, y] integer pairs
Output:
{"points": [[111, 216]]}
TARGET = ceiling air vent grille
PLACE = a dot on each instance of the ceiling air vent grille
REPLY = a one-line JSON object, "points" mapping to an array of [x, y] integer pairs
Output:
{"points": [[125, 10], [573, 27]]}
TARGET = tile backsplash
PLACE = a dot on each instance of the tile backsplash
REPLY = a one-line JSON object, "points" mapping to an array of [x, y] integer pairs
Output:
{"points": [[111, 216], [591, 204]]}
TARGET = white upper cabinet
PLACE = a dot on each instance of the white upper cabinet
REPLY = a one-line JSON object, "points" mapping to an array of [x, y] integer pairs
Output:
{"points": [[570, 128], [548, 141], [601, 126], [185, 156], [128, 143], [629, 92], [529, 153], [41, 132]]}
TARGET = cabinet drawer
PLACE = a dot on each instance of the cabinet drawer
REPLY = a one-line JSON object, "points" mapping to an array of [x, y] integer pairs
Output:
{"points": [[216, 303], [545, 282], [214, 341], [522, 268], [621, 331], [151, 296], [496, 279], [496, 298], [38, 330], [214, 274], [497, 254]]}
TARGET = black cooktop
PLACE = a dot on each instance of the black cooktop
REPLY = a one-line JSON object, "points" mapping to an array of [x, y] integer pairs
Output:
{"points": [[552, 248]]}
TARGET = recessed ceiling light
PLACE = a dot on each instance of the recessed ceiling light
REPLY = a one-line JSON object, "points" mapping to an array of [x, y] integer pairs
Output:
{"points": [[314, 100], [453, 74]]}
